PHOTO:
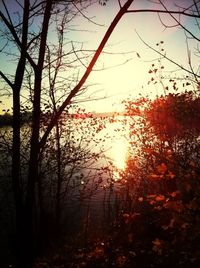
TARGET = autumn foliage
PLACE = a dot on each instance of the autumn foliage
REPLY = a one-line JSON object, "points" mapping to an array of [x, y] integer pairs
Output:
{"points": [[154, 214], [159, 217], [175, 115]]}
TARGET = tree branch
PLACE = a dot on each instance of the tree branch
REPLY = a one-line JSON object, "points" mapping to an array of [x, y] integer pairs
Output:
{"points": [[16, 38], [178, 22], [6, 80], [76, 89], [167, 58], [162, 11]]}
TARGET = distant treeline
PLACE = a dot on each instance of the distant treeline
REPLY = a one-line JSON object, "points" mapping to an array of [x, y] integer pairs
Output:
{"points": [[7, 119]]}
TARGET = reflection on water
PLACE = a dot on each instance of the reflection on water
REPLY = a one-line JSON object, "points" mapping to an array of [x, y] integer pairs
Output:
{"points": [[118, 146], [119, 155], [119, 152]]}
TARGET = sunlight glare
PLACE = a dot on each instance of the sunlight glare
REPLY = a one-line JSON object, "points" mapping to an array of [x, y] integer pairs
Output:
{"points": [[119, 154]]}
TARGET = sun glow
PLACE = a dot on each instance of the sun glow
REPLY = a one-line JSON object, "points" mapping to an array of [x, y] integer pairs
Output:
{"points": [[119, 154], [118, 145]]}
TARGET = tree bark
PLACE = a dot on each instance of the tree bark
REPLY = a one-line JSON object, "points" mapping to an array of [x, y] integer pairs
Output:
{"points": [[16, 184], [30, 211]]}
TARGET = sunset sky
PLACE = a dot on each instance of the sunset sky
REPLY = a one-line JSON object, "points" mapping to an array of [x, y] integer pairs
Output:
{"points": [[131, 78], [126, 74]]}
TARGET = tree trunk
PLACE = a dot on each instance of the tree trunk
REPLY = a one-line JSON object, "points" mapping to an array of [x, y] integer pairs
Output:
{"points": [[30, 206], [59, 179], [17, 190], [16, 184]]}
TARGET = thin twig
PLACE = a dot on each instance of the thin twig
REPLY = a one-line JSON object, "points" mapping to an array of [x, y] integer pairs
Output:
{"points": [[167, 58]]}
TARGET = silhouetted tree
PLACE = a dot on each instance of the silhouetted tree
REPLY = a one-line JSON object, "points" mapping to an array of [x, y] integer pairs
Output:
{"points": [[32, 47]]}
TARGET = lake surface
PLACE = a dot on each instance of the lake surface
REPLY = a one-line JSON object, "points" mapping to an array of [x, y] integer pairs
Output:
{"points": [[88, 201]]}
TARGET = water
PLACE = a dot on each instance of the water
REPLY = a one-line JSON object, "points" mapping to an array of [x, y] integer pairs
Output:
{"points": [[94, 151]]}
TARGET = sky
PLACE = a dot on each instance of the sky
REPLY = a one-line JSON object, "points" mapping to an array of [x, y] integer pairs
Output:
{"points": [[131, 79], [124, 71]]}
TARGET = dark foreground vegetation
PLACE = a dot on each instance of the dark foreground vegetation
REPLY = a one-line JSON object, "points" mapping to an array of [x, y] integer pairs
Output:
{"points": [[6, 119], [156, 219], [63, 203], [148, 217]]}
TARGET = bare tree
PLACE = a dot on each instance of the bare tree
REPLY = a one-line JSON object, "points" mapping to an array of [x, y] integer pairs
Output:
{"points": [[32, 48]]}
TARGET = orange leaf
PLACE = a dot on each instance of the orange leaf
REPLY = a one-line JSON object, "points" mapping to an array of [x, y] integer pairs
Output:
{"points": [[170, 175], [155, 177], [162, 168], [160, 198]]}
